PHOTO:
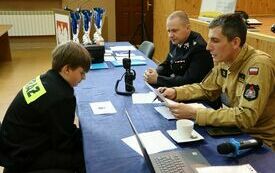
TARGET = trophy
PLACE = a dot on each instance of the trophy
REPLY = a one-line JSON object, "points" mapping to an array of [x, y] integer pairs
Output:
{"points": [[86, 18], [99, 15], [75, 23]]}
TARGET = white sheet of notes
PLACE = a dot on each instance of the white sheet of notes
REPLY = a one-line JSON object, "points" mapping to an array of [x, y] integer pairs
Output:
{"points": [[106, 107], [143, 98], [119, 48], [154, 142], [246, 168]]}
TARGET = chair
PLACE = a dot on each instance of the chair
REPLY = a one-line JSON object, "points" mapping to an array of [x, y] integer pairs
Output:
{"points": [[147, 48]]}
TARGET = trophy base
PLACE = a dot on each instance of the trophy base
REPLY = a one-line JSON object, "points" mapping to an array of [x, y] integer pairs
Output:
{"points": [[98, 39], [86, 39]]}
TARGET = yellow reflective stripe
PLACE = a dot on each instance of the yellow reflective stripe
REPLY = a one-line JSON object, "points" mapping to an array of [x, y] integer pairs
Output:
{"points": [[33, 90]]}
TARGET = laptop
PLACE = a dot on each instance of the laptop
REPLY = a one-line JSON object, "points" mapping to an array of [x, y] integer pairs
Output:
{"points": [[178, 161]]}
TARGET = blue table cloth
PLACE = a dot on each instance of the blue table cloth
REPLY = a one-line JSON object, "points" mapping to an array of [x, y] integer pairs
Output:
{"points": [[104, 150]]}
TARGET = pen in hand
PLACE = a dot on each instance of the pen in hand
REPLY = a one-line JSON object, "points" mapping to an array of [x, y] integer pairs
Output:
{"points": [[159, 92], [155, 98]]}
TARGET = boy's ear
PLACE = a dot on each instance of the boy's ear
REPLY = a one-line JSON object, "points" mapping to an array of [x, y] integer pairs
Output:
{"points": [[65, 69]]}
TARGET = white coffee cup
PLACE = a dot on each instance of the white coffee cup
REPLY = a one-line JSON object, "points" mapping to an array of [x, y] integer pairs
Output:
{"points": [[185, 128]]}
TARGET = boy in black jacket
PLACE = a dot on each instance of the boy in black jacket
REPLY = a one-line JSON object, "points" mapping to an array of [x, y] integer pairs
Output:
{"points": [[38, 130]]}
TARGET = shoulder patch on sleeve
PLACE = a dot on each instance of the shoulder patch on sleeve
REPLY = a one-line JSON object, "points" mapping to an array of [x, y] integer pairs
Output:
{"points": [[253, 70], [33, 90], [251, 92]]}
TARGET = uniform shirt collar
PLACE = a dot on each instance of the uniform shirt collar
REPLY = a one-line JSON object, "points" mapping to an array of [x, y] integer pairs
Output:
{"points": [[240, 58], [66, 84], [179, 45], [189, 42]]}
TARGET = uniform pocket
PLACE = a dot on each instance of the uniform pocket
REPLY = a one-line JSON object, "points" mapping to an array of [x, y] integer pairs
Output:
{"points": [[239, 93], [239, 89]]}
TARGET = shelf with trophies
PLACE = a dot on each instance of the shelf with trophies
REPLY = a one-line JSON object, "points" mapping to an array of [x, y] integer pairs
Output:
{"points": [[70, 25]]}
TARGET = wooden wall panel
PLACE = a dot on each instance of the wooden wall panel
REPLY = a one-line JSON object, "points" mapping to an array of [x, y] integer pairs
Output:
{"points": [[259, 41], [162, 8], [262, 42], [252, 7], [191, 7], [200, 26], [257, 7], [109, 27]]}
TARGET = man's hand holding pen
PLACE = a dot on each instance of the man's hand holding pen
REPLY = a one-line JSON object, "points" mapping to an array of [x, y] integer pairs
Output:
{"points": [[169, 93], [179, 110]]}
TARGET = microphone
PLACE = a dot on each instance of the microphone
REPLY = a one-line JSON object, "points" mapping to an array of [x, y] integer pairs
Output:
{"points": [[234, 146], [273, 28]]}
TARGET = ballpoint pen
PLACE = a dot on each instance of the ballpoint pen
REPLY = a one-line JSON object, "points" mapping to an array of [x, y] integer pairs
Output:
{"points": [[155, 98], [157, 95]]}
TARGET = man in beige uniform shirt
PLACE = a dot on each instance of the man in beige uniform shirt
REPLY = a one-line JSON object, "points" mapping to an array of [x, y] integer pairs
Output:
{"points": [[242, 76]]}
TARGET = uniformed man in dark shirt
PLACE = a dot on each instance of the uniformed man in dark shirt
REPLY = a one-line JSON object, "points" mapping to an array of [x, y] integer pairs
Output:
{"points": [[188, 60], [38, 130]]}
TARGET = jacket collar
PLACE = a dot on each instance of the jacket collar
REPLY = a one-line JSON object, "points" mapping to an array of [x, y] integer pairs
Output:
{"points": [[242, 57]]}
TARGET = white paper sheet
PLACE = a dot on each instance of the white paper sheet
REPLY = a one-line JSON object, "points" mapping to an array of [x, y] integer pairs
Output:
{"points": [[154, 142], [134, 57], [210, 8], [247, 168], [108, 51], [109, 58], [106, 107], [119, 48], [143, 98], [196, 105], [165, 112], [123, 54]]}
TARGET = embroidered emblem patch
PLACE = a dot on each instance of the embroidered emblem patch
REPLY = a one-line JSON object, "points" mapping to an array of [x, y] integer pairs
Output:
{"points": [[253, 71], [251, 92], [241, 77], [224, 73]]}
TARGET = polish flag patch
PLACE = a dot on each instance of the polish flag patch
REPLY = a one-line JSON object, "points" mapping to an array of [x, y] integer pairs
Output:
{"points": [[253, 71]]}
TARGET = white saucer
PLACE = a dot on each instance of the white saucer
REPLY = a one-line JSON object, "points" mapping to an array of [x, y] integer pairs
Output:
{"points": [[174, 134]]}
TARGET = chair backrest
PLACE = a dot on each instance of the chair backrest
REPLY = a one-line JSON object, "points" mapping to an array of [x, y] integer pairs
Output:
{"points": [[147, 48]]}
